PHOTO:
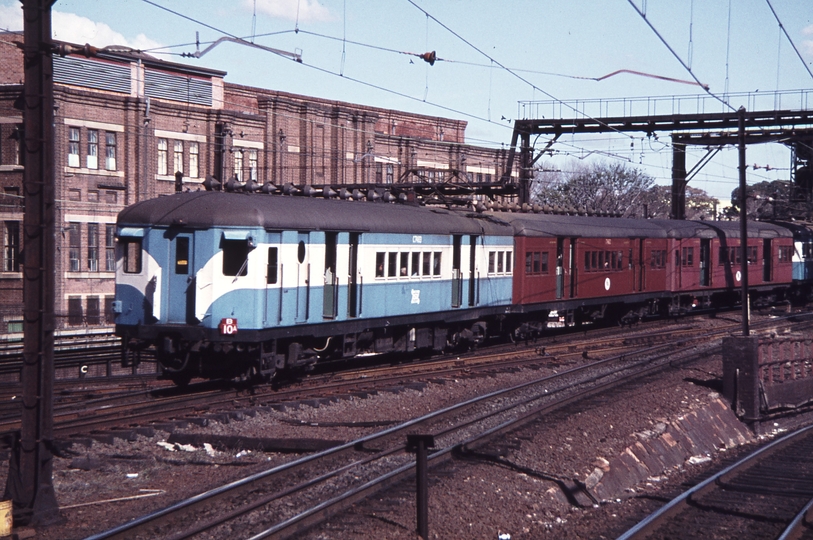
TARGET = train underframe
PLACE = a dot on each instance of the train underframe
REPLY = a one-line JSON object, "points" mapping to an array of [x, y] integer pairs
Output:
{"points": [[183, 353]]}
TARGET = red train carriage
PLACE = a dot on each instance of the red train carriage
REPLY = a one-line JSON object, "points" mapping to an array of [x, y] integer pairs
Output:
{"points": [[592, 267]]}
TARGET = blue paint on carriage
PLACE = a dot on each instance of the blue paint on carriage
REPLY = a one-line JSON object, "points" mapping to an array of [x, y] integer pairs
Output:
{"points": [[133, 305], [261, 308]]}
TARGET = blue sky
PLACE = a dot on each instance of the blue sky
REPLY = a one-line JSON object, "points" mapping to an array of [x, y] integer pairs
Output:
{"points": [[350, 51]]}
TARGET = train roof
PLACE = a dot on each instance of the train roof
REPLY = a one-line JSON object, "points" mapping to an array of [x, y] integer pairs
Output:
{"points": [[207, 209], [606, 227]]}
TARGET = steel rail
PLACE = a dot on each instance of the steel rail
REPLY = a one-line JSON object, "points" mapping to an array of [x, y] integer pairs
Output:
{"points": [[252, 481], [655, 519], [314, 515]]}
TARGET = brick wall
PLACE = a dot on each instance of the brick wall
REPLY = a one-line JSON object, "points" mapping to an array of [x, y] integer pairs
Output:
{"points": [[295, 139]]}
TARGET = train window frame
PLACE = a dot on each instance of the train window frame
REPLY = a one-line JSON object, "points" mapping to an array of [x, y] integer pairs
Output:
{"points": [[687, 257], [392, 264], [403, 266], [426, 266], [784, 254], [234, 251], [537, 263], [272, 274], [415, 264], [131, 255], [182, 256], [380, 261], [436, 264]]}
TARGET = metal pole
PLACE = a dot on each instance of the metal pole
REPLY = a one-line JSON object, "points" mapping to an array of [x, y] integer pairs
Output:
{"points": [[743, 222], [423, 490], [30, 479], [419, 444]]}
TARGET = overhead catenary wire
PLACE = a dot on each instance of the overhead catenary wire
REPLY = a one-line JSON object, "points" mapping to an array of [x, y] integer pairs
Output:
{"points": [[677, 56], [782, 28]]}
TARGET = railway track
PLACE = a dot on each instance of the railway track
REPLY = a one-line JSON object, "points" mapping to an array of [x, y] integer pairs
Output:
{"points": [[109, 407], [265, 505], [767, 494]]}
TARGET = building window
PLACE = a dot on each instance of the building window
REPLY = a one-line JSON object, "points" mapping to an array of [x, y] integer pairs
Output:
{"points": [[74, 195], [378, 169], [74, 247], [15, 327], [93, 196], [109, 316], [93, 247], [111, 197], [238, 164], [110, 151], [109, 248], [194, 171], [177, 160], [162, 157], [93, 313], [92, 158], [75, 317], [252, 165], [389, 173], [73, 147], [11, 253]]}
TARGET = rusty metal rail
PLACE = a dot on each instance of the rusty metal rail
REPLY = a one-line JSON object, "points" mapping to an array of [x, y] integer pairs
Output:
{"points": [[759, 494], [350, 475]]}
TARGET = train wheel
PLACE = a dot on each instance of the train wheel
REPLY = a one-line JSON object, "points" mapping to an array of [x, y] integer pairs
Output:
{"points": [[181, 379]]}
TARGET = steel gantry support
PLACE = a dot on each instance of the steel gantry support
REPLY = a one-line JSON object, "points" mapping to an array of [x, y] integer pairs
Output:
{"points": [[30, 477], [704, 129]]}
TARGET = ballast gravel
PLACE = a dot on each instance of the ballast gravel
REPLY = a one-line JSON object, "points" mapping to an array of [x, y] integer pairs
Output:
{"points": [[104, 485]]}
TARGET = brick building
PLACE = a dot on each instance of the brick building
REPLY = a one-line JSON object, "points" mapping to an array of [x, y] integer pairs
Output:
{"points": [[126, 123]]}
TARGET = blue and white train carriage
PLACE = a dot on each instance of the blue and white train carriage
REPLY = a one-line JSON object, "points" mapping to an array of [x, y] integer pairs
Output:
{"points": [[226, 284]]}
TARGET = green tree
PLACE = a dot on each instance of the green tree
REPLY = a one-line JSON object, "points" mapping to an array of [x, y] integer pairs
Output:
{"points": [[610, 187]]}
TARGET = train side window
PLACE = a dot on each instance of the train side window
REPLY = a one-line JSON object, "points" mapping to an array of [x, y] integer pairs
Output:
{"points": [[379, 264], [586, 261], [436, 266], [500, 262], [427, 263], [272, 266], [784, 254], [132, 255], [235, 257], [416, 263], [182, 255], [404, 269], [491, 257], [723, 256], [392, 264], [688, 256], [508, 267]]}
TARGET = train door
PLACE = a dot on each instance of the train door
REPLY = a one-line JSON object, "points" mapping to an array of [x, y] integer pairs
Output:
{"points": [[573, 269], [767, 267], [457, 277], [181, 295], [330, 294], [641, 265], [273, 282], [353, 276], [560, 267], [705, 262], [472, 267], [303, 277]]}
